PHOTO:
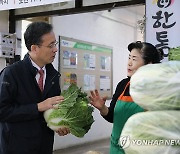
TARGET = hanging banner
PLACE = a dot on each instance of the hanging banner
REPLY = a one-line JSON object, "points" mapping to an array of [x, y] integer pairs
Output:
{"points": [[163, 24], [15, 4]]}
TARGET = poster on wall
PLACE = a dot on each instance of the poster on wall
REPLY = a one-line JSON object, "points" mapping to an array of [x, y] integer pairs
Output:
{"points": [[69, 78], [89, 82], [104, 83], [89, 61], [69, 59], [162, 24], [105, 63]]}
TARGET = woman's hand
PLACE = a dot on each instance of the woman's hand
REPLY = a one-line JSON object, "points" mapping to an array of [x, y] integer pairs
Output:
{"points": [[98, 102]]}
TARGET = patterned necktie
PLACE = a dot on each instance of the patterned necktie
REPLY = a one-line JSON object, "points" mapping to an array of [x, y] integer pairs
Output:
{"points": [[40, 81]]}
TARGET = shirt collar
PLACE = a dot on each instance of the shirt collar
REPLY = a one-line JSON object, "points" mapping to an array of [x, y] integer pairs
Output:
{"points": [[36, 66]]}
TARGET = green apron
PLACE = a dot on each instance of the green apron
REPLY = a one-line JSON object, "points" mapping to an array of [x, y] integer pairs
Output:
{"points": [[124, 108]]}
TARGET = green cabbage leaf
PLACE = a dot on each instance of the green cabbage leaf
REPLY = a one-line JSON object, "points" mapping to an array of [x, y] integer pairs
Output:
{"points": [[174, 54], [74, 112], [157, 86]]}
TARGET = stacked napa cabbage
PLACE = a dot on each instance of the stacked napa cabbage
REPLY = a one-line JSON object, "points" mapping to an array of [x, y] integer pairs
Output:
{"points": [[74, 112], [156, 88], [153, 132]]}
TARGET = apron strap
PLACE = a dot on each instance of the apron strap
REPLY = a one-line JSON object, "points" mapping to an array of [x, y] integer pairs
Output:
{"points": [[125, 98]]}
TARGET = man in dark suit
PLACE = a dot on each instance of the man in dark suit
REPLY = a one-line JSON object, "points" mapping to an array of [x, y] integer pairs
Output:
{"points": [[25, 94]]}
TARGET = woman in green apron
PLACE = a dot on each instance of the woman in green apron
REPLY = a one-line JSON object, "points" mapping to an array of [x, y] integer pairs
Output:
{"points": [[122, 106]]}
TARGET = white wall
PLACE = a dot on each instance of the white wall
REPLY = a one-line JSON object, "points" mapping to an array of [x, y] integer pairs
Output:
{"points": [[3, 28], [20, 32], [115, 29]]}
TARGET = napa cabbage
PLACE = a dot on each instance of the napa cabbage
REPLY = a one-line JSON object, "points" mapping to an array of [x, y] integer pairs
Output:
{"points": [[157, 86], [74, 112], [156, 132]]}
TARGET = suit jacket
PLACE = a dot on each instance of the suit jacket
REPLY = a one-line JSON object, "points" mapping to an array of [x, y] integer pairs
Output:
{"points": [[23, 129]]}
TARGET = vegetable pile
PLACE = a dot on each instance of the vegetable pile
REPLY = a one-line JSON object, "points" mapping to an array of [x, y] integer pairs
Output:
{"points": [[156, 88], [154, 132], [74, 112]]}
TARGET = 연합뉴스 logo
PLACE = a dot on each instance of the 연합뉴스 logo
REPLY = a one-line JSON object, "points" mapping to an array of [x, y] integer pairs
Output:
{"points": [[124, 141]]}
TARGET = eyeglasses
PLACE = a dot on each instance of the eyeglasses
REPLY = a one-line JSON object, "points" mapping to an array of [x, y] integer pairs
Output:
{"points": [[50, 46]]}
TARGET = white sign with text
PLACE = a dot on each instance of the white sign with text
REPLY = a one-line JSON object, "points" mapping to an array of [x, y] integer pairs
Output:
{"points": [[15, 4], [163, 23]]}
